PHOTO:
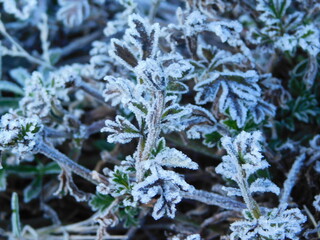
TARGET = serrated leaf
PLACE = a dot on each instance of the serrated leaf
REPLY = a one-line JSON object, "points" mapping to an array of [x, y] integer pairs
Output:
{"points": [[234, 91], [122, 131], [100, 202]]}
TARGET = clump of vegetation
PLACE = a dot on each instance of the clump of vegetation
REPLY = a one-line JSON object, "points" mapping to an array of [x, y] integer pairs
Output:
{"points": [[163, 119]]}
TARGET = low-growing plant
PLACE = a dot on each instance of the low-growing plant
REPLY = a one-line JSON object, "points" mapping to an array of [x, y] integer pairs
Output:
{"points": [[176, 119]]}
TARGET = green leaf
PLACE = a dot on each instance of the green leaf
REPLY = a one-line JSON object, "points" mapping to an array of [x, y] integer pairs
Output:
{"points": [[100, 202], [51, 168], [177, 87], [11, 87], [130, 216], [231, 124], [15, 217], [33, 190], [23, 170], [161, 144], [19, 75], [212, 138], [3, 180], [54, 56]]}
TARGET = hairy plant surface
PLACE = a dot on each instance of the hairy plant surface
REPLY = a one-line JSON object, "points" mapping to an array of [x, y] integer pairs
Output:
{"points": [[162, 119]]}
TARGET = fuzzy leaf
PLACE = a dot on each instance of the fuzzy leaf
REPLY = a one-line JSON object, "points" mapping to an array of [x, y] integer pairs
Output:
{"points": [[122, 131]]}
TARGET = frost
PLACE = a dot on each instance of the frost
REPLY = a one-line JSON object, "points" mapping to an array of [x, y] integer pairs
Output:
{"points": [[120, 90], [309, 39], [292, 178], [73, 12], [239, 92], [264, 185], [19, 134], [121, 130], [168, 185], [171, 157], [275, 224], [21, 9], [244, 159]]}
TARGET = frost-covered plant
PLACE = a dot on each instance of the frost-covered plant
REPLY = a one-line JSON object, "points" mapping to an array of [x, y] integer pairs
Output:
{"points": [[153, 101], [170, 84], [19, 134], [243, 161]]}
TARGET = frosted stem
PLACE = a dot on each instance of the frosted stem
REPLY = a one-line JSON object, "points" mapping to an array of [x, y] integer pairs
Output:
{"points": [[64, 161], [153, 134], [90, 90], [21, 50], [214, 199]]}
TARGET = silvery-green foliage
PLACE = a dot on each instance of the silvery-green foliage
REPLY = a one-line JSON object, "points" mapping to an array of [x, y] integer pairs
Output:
{"points": [[239, 93], [100, 61], [122, 131], [167, 184], [21, 9], [286, 30], [42, 91], [19, 134], [244, 159], [153, 99], [73, 12], [276, 223]]}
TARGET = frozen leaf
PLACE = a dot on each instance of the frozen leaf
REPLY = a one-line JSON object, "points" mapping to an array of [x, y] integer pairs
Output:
{"points": [[261, 110], [167, 184], [171, 157], [275, 224], [264, 185], [122, 54], [73, 12], [119, 90], [121, 130], [10, 87], [235, 91], [143, 36]]}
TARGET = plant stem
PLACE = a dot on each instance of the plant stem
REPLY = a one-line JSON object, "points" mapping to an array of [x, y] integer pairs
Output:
{"points": [[64, 161], [21, 50], [214, 199], [90, 90], [153, 123]]}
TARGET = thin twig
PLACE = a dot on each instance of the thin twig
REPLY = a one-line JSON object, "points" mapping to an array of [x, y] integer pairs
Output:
{"points": [[214, 199], [70, 165]]}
